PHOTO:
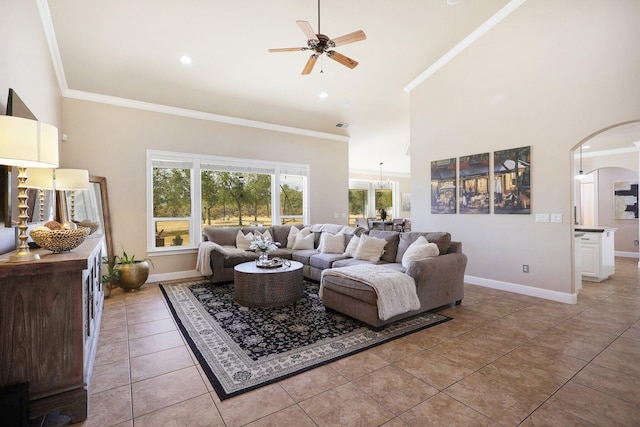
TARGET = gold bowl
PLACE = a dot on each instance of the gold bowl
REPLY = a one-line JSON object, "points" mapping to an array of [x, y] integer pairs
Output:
{"points": [[59, 240]]}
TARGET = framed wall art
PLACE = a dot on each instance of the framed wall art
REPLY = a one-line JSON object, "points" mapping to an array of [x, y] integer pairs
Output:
{"points": [[443, 186], [625, 200], [474, 184], [512, 181]]}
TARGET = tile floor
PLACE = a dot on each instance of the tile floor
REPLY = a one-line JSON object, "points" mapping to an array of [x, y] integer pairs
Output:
{"points": [[505, 360]]}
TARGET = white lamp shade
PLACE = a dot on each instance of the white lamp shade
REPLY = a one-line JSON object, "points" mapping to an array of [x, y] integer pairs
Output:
{"points": [[27, 143], [72, 179], [40, 178]]}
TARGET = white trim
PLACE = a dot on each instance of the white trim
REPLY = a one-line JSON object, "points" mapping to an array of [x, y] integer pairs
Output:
{"points": [[466, 42], [523, 289], [200, 115], [627, 254], [54, 51], [163, 277]]}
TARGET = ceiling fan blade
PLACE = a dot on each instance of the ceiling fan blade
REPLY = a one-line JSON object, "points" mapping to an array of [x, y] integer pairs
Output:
{"points": [[344, 60], [356, 36], [309, 65], [288, 49], [308, 31]]}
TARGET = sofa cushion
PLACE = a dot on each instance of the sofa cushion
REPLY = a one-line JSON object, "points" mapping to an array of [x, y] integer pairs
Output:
{"points": [[442, 239], [243, 241], [280, 234], [353, 261], [304, 256], [331, 243], [420, 249], [391, 249], [352, 288], [224, 236], [350, 250], [324, 260], [370, 248], [304, 242]]}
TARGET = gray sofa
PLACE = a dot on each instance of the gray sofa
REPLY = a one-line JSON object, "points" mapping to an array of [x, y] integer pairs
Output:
{"points": [[439, 280]]}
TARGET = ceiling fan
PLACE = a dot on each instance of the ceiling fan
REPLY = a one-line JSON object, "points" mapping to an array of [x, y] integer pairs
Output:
{"points": [[320, 43]]}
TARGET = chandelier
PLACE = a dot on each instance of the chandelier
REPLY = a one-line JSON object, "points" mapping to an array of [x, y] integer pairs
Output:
{"points": [[383, 184]]}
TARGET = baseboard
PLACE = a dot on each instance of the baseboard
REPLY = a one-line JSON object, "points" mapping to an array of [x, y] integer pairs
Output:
{"points": [[623, 254], [189, 274], [523, 289]]}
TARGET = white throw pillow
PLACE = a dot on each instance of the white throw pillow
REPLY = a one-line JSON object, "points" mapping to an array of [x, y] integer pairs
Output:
{"points": [[291, 238], [352, 246], [420, 249], [331, 243], [370, 248], [244, 241], [304, 242]]}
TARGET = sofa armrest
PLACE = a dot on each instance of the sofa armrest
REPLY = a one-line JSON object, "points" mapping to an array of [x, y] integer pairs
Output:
{"points": [[439, 280]]}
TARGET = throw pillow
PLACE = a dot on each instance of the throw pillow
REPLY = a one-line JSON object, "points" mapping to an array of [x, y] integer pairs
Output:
{"points": [[332, 243], [244, 241], [304, 242], [352, 246], [420, 249], [370, 248], [291, 238]]}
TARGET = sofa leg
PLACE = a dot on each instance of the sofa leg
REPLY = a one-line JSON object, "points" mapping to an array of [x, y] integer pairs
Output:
{"points": [[376, 328], [458, 302]]}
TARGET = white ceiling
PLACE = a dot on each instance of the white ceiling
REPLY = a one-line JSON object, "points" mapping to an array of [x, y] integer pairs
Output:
{"points": [[131, 49]]}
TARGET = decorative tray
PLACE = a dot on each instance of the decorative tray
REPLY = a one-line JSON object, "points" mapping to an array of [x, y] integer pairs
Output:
{"points": [[273, 263]]}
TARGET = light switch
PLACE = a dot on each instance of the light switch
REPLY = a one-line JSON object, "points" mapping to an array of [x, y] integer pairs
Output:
{"points": [[542, 217], [557, 218]]}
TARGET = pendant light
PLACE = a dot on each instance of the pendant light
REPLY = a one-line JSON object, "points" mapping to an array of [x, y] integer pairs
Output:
{"points": [[581, 174]]}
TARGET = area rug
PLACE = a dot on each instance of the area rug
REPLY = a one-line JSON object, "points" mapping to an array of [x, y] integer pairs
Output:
{"points": [[241, 349]]}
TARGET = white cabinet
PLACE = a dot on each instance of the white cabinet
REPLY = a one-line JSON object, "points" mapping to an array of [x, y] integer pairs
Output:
{"points": [[597, 253]]}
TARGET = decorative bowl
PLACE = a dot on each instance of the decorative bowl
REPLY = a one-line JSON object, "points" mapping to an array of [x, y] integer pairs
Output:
{"points": [[59, 240], [91, 225]]}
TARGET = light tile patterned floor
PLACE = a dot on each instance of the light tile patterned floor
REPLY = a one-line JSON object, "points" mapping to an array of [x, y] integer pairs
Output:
{"points": [[505, 359]]}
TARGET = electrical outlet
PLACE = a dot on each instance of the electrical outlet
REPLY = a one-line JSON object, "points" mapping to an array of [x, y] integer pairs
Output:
{"points": [[557, 218], [525, 268], [542, 217]]}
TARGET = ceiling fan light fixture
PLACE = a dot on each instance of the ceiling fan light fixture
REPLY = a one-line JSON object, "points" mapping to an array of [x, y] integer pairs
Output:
{"points": [[324, 94], [185, 59]]}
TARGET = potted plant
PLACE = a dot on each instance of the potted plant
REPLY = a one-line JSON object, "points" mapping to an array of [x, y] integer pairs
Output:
{"points": [[178, 240], [132, 272], [110, 276]]}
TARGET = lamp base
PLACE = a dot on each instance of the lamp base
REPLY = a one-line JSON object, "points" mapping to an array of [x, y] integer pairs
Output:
{"points": [[23, 257]]}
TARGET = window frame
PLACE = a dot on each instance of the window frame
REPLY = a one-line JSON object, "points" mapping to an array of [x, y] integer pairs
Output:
{"points": [[200, 162]]}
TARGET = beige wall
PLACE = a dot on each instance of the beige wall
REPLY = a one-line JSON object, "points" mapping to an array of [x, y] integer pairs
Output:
{"points": [[26, 67], [111, 141], [548, 76]]}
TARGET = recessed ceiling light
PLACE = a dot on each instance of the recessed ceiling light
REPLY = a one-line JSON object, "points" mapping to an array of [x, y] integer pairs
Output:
{"points": [[323, 94], [185, 59], [586, 147], [452, 2]]}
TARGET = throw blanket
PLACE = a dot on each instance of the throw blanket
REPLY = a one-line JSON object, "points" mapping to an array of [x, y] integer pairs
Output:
{"points": [[396, 291], [203, 262]]}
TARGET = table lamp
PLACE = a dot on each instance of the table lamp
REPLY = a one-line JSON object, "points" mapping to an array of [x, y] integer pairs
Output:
{"points": [[72, 180], [26, 143], [42, 179]]}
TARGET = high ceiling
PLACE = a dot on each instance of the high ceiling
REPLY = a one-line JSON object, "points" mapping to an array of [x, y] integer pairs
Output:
{"points": [[131, 49]]}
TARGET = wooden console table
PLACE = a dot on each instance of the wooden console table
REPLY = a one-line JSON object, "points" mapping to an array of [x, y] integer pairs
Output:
{"points": [[50, 313]]}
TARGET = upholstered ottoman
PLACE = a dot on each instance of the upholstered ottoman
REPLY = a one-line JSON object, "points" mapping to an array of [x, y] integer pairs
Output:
{"points": [[349, 290]]}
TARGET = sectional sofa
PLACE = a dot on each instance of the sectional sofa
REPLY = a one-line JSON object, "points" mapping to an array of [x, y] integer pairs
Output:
{"points": [[439, 279]]}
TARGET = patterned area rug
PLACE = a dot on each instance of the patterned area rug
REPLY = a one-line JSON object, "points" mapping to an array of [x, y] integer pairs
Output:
{"points": [[241, 348]]}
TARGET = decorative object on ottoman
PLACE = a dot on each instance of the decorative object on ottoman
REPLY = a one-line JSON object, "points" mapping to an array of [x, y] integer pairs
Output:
{"points": [[91, 225]]}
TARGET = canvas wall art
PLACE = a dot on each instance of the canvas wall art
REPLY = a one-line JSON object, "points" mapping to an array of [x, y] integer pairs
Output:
{"points": [[625, 200], [474, 184], [443, 186], [512, 181]]}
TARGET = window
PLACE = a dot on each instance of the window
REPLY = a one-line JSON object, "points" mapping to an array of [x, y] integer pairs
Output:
{"points": [[188, 192], [366, 200]]}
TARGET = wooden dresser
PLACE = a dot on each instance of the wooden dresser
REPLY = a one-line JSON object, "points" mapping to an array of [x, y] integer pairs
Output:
{"points": [[50, 313]]}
